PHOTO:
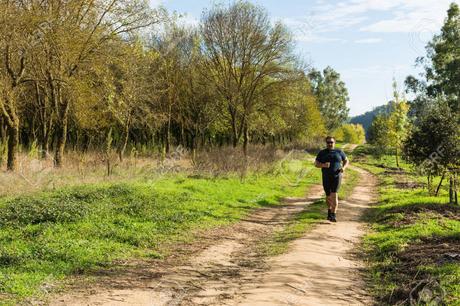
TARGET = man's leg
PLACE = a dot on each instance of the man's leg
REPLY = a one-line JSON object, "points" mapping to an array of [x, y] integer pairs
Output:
{"points": [[334, 200], [327, 190]]}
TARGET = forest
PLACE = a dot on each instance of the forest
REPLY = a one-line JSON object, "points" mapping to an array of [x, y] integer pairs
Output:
{"points": [[118, 75]]}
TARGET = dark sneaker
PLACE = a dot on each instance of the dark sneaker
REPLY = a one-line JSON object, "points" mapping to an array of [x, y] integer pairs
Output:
{"points": [[333, 218], [329, 212]]}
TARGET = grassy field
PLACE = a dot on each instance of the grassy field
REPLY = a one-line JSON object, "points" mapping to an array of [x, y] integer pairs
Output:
{"points": [[415, 240], [47, 236]]}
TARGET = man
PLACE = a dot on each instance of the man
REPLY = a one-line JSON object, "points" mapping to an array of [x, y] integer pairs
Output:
{"points": [[333, 163]]}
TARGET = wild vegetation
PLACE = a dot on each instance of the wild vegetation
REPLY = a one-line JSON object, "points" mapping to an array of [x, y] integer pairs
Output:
{"points": [[413, 246], [117, 77], [427, 129]]}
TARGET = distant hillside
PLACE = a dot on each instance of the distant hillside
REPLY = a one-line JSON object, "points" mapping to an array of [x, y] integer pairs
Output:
{"points": [[366, 119]]}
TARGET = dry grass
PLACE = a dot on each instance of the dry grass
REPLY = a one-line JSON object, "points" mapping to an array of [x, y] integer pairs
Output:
{"points": [[40, 174], [36, 174]]}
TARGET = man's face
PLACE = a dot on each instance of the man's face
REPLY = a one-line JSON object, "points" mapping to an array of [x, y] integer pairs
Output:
{"points": [[330, 143]]}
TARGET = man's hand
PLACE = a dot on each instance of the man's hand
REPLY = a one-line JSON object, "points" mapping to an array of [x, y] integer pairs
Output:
{"points": [[322, 165]]}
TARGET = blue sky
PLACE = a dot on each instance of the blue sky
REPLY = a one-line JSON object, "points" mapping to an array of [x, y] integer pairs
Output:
{"points": [[367, 41]]}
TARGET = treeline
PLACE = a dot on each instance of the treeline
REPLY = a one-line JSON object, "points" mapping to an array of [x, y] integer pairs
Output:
{"points": [[426, 130], [114, 74]]}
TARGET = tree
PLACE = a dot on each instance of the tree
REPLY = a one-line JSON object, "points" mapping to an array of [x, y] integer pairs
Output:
{"points": [[398, 123], [444, 54], [245, 55], [17, 27], [351, 133], [434, 143], [77, 36], [332, 96]]}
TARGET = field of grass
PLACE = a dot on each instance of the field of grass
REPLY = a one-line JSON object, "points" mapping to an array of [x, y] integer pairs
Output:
{"points": [[47, 236], [413, 249]]}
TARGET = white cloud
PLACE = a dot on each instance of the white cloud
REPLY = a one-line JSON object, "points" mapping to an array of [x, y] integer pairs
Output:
{"points": [[368, 41], [318, 39], [404, 15], [412, 17]]}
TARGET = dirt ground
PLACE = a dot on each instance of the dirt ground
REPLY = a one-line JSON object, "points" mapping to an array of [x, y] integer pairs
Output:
{"points": [[318, 269]]}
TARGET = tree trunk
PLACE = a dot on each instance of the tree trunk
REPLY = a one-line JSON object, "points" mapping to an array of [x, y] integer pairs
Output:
{"points": [[397, 158], [168, 137], [245, 140], [121, 151], [440, 183], [108, 148], [13, 142], [61, 136]]}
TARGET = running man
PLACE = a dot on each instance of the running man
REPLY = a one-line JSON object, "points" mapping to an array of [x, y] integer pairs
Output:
{"points": [[332, 163]]}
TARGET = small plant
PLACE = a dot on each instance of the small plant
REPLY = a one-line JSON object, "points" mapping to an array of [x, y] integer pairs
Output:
{"points": [[34, 151]]}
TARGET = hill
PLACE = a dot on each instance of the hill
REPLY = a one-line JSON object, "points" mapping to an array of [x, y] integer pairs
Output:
{"points": [[366, 119]]}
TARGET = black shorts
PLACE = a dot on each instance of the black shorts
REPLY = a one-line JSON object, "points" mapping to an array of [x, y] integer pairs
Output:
{"points": [[331, 183]]}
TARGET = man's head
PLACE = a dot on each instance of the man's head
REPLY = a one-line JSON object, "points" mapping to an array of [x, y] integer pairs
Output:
{"points": [[330, 142]]}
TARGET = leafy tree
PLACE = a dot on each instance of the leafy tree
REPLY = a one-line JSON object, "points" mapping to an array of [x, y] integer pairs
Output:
{"points": [[444, 55], [390, 130], [17, 27], [379, 133], [434, 143], [351, 133], [245, 55], [332, 96], [398, 123]]}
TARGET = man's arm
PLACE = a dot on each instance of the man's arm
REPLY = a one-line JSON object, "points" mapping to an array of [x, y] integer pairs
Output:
{"points": [[345, 164], [345, 161], [319, 164]]}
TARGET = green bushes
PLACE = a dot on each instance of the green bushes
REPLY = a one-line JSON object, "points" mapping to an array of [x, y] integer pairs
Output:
{"points": [[351, 133]]}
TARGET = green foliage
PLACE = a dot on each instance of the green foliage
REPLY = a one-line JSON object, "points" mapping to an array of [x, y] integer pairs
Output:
{"points": [[434, 143], [443, 71], [350, 133], [332, 96], [389, 131]]}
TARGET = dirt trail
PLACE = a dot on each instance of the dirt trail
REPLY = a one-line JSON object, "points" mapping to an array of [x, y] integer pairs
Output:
{"points": [[319, 268], [212, 276]]}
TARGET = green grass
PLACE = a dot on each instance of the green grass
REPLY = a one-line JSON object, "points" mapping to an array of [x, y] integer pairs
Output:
{"points": [[48, 236], [408, 223], [278, 243]]}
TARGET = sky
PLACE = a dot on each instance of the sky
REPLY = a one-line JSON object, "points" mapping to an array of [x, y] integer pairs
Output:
{"points": [[369, 42]]}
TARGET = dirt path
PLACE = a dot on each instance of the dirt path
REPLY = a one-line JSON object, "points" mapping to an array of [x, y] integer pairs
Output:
{"points": [[214, 275], [318, 269]]}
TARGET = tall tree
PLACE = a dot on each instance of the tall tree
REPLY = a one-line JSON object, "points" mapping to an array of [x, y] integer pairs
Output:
{"points": [[433, 145], [398, 127], [78, 34], [245, 55], [17, 28], [332, 96], [443, 69]]}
